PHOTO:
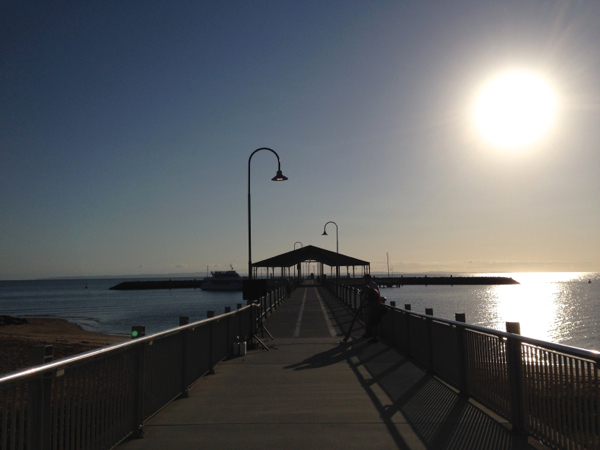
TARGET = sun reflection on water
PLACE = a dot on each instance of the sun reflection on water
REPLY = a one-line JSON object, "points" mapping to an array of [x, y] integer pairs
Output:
{"points": [[540, 304]]}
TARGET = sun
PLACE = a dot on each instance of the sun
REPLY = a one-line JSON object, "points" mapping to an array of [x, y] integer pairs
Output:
{"points": [[515, 109]]}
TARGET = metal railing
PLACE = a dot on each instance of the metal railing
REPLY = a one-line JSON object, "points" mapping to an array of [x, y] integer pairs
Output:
{"points": [[97, 399], [549, 391]]}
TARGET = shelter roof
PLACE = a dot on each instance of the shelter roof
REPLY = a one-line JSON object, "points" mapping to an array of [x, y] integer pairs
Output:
{"points": [[310, 253]]}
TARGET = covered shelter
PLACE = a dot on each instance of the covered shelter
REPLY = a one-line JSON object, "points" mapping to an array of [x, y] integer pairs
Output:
{"points": [[310, 253]]}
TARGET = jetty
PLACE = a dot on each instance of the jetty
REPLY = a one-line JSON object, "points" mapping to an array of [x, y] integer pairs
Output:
{"points": [[280, 373], [309, 391]]}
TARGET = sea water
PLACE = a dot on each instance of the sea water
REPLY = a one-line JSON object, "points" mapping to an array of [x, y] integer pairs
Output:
{"points": [[562, 308], [92, 305], [556, 307]]}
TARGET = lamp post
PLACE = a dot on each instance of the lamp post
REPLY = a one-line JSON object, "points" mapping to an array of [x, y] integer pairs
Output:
{"points": [[278, 177], [336, 234], [337, 249], [297, 275]]}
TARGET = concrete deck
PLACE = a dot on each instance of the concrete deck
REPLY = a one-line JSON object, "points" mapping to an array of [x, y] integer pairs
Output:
{"points": [[309, 391]]}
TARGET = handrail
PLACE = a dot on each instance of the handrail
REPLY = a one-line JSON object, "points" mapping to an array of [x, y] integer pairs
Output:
{"points": [[99, 398], [592, 355], [530, 382], [68, 360]]}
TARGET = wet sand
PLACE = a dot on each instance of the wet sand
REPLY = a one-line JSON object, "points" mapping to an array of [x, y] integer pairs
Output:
{"points": [[67, 338]]}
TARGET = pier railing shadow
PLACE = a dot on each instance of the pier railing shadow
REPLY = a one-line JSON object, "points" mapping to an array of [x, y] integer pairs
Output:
{"points": [[548, 391], [440, 417]]}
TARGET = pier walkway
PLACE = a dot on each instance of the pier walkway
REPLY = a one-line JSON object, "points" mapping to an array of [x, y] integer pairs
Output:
{"points": [[311, 392]]}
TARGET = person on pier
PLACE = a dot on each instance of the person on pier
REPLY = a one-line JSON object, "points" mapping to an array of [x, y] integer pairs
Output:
{"points": [[373, 307]]}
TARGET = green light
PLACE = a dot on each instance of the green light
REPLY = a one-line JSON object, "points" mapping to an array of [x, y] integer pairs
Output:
{"points": [[134, 333]]}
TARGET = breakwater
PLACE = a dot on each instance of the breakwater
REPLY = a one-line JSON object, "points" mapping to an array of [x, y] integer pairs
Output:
{"points": [[382, 281], [162, 284], [440, 281]]}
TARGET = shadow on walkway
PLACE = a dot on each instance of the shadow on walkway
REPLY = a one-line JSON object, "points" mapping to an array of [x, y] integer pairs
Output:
{"points": [[440, 417]]}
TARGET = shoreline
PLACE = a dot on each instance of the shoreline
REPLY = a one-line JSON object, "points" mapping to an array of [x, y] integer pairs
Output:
{"points": [[67, 338]]}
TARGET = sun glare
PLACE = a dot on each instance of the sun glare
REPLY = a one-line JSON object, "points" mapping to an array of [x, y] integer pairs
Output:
{"points": [[515, 109]]}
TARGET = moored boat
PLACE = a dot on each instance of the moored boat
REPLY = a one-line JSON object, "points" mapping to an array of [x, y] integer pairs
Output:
{"points": [[228, 280]]}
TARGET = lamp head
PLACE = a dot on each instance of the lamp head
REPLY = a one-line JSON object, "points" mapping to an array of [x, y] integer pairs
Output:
{"points": [[324, 233], [279, 177]]}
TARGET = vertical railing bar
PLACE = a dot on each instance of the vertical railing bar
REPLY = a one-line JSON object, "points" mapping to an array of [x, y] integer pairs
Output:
{"points": [[94, 399], [534, 392], [13, 418], [587, 396], [101, 404], [88, 406], [573, 402], [542, 400], [480, 365], [468, 357], [106, 383], [579, 403], [566, 379], [69, 407], [542, 422], [4, 419], [525, 368], [22, 402], [592, 432], [63, 415], [554, 392], [493, 367], [552, 395], [597, 404], [54, 411], [576, 403], [112, 402], [78, 407]]}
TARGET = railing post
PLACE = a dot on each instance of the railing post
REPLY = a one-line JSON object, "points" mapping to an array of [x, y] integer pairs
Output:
{"points": [[515, 382]]}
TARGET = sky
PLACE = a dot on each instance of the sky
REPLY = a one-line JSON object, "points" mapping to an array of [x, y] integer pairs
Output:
{"points": [[126, 130]]}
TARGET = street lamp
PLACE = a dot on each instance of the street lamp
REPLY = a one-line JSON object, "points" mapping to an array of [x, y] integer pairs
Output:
{"points": [[278, 177], [301, 246], [336, 234], [337, 249]]}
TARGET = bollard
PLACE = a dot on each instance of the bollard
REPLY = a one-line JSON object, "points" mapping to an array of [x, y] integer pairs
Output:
{"points": [[407, 306], [460, 317], [429, 311], [183, 320], [513, 327], [210, 314], [227, 309], [40, 354], [138, 331]]}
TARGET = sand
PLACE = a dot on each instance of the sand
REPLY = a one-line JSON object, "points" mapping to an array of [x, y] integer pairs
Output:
{"points": [[67, 338]]}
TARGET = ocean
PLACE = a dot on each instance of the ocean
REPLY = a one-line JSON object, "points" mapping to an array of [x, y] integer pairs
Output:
{"points": [[556, 307]]}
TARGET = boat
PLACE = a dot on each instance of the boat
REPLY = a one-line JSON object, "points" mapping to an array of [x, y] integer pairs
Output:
{"points": [[228, 280]]}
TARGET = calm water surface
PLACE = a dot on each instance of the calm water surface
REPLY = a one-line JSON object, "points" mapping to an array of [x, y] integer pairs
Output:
{"points": [[556, 307], [99, 309]]}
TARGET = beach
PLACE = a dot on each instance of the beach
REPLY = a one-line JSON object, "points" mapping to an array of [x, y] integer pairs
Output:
{"points": [[67, 338]]}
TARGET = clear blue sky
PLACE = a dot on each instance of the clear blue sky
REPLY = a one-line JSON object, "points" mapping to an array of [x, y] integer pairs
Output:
{"points": [[126, 127]]}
